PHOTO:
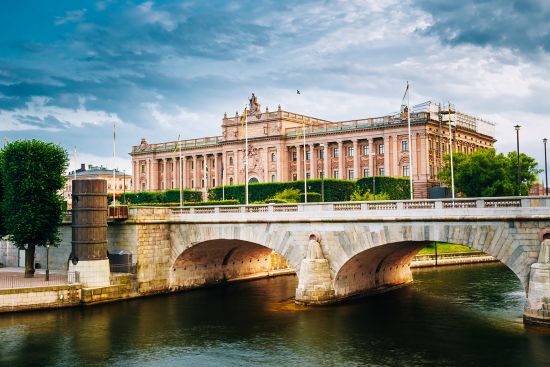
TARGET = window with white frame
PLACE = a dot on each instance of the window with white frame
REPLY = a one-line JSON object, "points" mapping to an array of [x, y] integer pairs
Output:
{"points": [[381, 171], [335, 153], [366, 149], [336, 174], [321, 154], [381, 149], [273, 157], [404, 145], [365, 172], [294, 155], [406, 171], [350, 152], [308, 155], [351, 174]]}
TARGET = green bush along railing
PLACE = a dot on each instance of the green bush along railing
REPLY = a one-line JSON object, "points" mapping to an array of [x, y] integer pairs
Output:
{"points": [[397, 188]]}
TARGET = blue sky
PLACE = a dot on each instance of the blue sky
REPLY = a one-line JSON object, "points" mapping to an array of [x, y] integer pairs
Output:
{"points": [[70, 69]]}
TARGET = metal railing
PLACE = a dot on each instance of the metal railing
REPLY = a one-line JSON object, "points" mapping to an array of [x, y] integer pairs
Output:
{"points": [[18, 280]]}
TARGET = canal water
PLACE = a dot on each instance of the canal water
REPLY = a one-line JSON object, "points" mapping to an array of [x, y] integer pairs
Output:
{"points": [[452, 316]]}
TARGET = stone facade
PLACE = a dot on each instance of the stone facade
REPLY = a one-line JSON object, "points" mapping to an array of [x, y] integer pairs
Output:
{"points": [[347, 149]]}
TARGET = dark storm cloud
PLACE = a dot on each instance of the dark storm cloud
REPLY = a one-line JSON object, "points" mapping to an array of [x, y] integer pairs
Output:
{"points": [[522, 26]]}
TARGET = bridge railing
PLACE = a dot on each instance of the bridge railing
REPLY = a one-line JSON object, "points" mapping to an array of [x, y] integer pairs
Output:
{"points": [[390, 205]]}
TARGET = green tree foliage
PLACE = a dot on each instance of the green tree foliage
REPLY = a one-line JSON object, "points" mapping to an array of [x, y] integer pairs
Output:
{"points": [[366, 195], [286, 196], [397, 188], [3, 230], [32, 206], [486, 173]]}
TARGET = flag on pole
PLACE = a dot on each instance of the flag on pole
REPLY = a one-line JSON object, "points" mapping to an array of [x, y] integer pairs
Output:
{"points": [[243, 118]]}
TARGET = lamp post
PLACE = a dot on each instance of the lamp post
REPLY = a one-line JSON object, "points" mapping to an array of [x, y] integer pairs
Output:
{"points": [[517, 127], [373, 156], [47, 262], [545, 168], [322, 146]]}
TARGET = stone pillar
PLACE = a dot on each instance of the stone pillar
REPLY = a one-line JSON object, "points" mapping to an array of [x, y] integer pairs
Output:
{"points": [[279, 158], [194, 174], [356, 159], [147, 174], [314, 281], [204, 169], [326, 161], [216, 173], [395, 158], [89, 233], [537, 307], [236, 164], [387, 146], [299, 161], [341, 165], [372, 159], [184, 172], [164, 185], [312, 161], [266, 164], [223, 168]]}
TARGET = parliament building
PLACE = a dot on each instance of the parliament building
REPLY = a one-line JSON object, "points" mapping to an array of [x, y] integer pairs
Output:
{"points": [[345, 149]]}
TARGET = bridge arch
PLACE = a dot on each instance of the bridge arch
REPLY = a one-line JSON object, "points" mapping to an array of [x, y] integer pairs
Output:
{"points": [[204, 255], [382, 254]]}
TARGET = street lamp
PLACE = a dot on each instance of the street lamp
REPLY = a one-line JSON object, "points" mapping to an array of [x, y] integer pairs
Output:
{"points": [[545, 168], [47, 262], [322, 146], [517, 127]]}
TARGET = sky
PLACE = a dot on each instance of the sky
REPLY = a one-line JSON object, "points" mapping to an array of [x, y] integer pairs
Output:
{"points": [[70, 70]]}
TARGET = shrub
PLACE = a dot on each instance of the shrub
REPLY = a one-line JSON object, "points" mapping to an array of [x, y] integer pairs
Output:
{"points": [[192, 203], [168, 196], [357, 195], [287, 195], [312, 197], [397, 188]]}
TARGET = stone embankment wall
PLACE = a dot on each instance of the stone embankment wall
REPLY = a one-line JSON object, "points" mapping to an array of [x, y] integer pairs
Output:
{"points": [[20, 299]]}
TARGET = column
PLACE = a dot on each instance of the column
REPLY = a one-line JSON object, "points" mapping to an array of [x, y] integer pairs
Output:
{"points": [[194, 171], [266, 164], [356, 159], [395, 153], [184, 172], [313, 161], [204, 166], [279, 158], [372, 158], [216, 171], [236, 164], [223, 168], [387, 147], [341, 166], [164, 174], [299, 168], [135, 174], [326, 161]]}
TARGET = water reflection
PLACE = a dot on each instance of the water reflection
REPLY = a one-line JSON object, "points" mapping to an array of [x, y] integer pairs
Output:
{"points": [[468, 315]]}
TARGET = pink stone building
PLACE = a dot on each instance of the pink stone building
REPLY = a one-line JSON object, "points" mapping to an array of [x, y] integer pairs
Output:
{"points": [[346, 149]]}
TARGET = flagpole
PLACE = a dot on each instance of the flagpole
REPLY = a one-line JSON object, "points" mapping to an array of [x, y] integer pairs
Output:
{"points": [[75, 162], [410, 140], [305, 167], [451, 153], [181, 175], [246, 156], [114, 157]]}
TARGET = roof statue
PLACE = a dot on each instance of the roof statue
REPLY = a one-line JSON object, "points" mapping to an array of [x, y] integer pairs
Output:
{"points": [[255, 107]]}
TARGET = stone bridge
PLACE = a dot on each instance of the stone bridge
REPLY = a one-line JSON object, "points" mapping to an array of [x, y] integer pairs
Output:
{"points": [[337, 250]]}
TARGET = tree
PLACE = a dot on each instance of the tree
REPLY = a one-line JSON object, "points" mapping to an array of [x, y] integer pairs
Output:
{"points": [[33, 176], [3, 230], [484, 173]]}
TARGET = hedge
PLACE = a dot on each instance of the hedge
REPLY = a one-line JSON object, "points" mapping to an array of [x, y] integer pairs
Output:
{"points": [[335, 190], [312, 197], [398, 188], [168, 196], [192, 203]]}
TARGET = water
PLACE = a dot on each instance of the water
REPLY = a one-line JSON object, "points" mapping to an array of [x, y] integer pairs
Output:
{"points": [[452, 316]]}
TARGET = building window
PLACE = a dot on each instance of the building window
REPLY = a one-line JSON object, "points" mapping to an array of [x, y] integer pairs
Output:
{"points": [[350, 151], [405, 171], [143, 186], [351, 174], [431, 171], [272, 178], [365, 172], [308, 155], [294, 177], [162, 185], [273, 157], [192, 165], [308, 175], [202, 164], [172, 184], [321, 174], [321, 154], [381, 171], [202, 183], [230, 161], [213, 182], [365, 149], [142, 168], [335, 152], [231, 180], [336, 173], [381, 149], [294, 156], [192, 183], [404, 145]]}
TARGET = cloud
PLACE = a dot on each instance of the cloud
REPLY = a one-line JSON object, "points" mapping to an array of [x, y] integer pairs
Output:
{"points": [[520, 25], [71, 16]]}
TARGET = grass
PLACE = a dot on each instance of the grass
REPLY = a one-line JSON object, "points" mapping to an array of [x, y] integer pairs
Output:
{"points": [[444, 247]]}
